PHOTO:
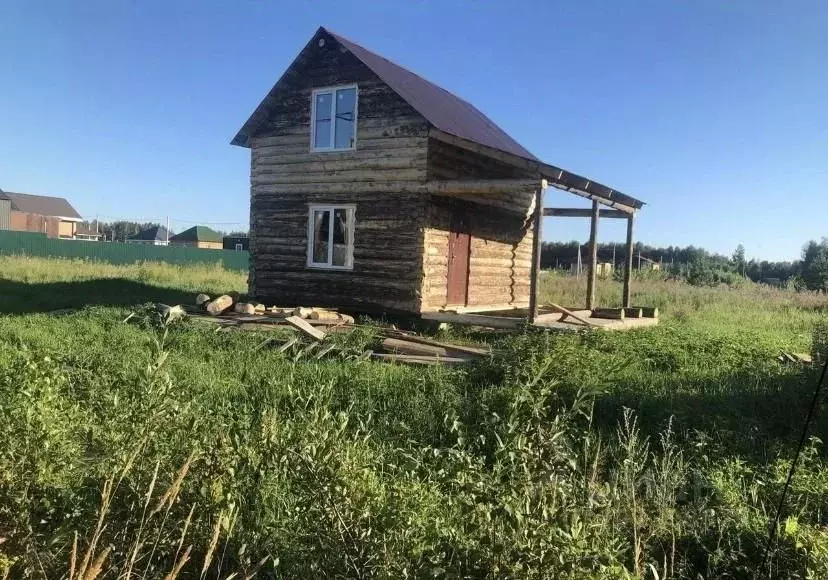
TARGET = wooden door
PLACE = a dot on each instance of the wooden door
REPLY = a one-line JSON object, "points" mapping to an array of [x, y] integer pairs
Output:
{"points": [[459, 246]]}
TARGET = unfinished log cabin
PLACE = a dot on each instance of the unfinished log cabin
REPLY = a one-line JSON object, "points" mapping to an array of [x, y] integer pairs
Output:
{"points": [[373, 189]]}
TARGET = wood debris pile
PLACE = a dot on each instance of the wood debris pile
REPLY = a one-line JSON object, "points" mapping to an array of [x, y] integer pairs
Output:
{"points": [[315, 325]]}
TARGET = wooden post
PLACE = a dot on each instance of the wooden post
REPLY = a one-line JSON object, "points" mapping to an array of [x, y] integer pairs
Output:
{"points": [[628, 263], [536, 255], [593, 256]]}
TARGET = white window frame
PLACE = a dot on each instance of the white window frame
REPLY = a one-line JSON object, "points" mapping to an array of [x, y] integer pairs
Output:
{"points": [[349, 257], [332, 90], [239, 247]]}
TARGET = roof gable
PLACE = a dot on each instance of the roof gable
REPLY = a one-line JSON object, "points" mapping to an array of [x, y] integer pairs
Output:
{"points": [[439, 107], [44, 205], [155, 233]]}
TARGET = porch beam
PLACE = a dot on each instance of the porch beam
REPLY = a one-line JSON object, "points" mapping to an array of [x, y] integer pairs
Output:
{"points": [[583, 213], [592, 266], [479, 186], [628, 264], [537, 245]]}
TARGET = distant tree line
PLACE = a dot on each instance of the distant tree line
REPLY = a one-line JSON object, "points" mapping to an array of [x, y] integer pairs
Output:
{"points": [[698, 266]]}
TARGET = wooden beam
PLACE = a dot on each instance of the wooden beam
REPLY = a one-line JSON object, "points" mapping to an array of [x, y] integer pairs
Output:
{"points": [[537, 239], [592, 266], [583, 213], [628, 263]]}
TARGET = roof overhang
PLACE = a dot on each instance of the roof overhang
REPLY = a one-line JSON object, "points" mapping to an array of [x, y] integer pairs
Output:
{"points": [[555, 176]]}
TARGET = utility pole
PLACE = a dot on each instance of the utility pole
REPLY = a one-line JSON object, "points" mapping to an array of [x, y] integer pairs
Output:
{"points": [[578, 269], [168, 231], [639, 259], [613, 255]]}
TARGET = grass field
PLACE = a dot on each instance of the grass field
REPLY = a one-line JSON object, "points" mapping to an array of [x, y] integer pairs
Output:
{"points": [[133, 449]]}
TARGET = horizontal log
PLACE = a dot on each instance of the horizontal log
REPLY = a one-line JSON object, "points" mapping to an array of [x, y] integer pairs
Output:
{"points": [[377, 145], [481, 186], [389, 186], [350, 177], [416, 161], [583, 213]]}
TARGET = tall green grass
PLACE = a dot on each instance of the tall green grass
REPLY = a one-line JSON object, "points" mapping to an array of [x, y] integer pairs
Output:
{"points": [[657, 453]]}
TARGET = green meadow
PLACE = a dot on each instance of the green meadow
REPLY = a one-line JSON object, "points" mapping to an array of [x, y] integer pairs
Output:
{"points": [[133, 448]]}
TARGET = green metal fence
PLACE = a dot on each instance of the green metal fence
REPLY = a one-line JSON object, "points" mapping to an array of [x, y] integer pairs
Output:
{"points": [[37, 244]]}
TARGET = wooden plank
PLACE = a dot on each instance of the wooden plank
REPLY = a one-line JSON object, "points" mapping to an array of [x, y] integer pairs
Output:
{"points": [[583, 213], [306, 328], [593, 256], [416, 359], [481, 186], [569, 314], [633, 312], [628, 264], [474, 350]]}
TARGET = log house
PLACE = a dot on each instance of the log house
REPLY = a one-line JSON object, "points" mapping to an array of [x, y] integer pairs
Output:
{"points": [[373, 189]]}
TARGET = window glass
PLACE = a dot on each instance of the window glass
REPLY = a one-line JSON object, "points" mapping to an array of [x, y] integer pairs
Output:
{"points": [[322, 127], [321, 225], [345, 118], [340, 237]]}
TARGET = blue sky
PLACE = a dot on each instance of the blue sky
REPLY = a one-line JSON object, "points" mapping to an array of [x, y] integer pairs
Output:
{"points": [[714, 112]]}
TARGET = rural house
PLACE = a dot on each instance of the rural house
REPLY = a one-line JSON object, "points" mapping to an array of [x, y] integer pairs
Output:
{"points": [[236, 243], [374, 189], [24, 212], [198, 237]]}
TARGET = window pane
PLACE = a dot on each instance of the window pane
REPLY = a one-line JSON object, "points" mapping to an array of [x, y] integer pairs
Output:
{"points": [[321, 225], [322, 126], [341, 237], [345, 118]]}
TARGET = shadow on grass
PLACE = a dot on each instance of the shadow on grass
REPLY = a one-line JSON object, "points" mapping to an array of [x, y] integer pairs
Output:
{"points": [[25, 298], [747, 413]]}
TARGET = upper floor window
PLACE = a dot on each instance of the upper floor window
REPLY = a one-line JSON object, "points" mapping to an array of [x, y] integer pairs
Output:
{"points": [[334, 118]]}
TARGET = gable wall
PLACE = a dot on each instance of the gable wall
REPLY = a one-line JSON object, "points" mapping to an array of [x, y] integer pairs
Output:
{"points": [[384, 177]]}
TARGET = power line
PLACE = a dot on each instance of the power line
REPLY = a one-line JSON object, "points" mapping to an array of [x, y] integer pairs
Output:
{"points": [[775, 523]]}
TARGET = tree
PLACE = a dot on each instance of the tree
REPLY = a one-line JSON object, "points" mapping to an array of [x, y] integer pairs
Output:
{"points": [[739, 261], [815, 265]]}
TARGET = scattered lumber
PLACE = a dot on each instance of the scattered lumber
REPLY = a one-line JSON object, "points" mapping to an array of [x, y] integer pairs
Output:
{"points": [[609, 313], [302, 312], [569, 314], [258, 307], [219, 305], [505, 322], [322, 314], [396, 345], [306, 328], [796, 358], [473, 350]]}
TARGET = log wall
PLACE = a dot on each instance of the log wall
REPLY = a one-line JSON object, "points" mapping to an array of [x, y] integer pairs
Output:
{"points": [[500, 258], [384, 177]]}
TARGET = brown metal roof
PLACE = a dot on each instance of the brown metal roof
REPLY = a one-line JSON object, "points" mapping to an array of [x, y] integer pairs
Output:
{"points": [[441, 108], [42, 205]]}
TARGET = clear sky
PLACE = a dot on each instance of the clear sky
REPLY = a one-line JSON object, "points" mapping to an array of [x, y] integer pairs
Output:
{"points": [[714, 112]]}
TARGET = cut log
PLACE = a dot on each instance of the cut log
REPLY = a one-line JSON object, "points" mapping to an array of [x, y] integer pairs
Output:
{"points": [[258, 307], [648, 312], [306, 328], [201, 299], [396, 345], [610, 313], [302, 312], [507, 322], [322, 314], [244, 308], [219, 305], [633, 313]]}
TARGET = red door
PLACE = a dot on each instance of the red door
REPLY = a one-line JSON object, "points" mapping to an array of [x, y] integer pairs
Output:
{"points": [[458, 261]]}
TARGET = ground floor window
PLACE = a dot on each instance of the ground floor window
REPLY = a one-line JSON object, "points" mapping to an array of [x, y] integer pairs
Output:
{"points": [[331, 236]]}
